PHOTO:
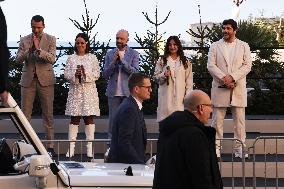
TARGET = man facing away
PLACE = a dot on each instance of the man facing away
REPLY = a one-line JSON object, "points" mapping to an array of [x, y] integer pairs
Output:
{"points": [[129, 133], [186, 156], [4, 58], [37, 52], [229, 61], [119, 64]]}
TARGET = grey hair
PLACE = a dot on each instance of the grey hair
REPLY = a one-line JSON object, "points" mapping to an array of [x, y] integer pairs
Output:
{"points": [[193, 99], [187, 102]]}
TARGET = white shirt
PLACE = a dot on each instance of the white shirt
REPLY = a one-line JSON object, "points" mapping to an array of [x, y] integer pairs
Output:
{"points": [[140, 106], [119, 91], [229, 51]]}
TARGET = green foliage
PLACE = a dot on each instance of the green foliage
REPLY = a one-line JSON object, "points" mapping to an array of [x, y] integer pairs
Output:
{"points": [[268, 84], [267, 71], [151, 44], [202, 79], [203, 33], [15, 72], [257, 36], [60, 95], [87, 26], [150, 54], [215, 33], [273, 25], [147, 66]]}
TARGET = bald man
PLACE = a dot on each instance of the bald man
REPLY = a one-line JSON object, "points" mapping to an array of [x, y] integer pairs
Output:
{"points": [[119, 64], [186, 155]]}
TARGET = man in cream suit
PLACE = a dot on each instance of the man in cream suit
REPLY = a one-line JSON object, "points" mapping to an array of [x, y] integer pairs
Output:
{"points": [[37, 53], [229, 61]]}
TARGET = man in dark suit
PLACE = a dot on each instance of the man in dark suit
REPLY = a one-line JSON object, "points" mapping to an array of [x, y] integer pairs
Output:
{"points": [[186, 155], [129, 134], [4, 58]]}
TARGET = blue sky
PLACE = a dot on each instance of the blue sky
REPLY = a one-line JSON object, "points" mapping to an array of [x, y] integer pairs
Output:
{"points": [[126, 14]]}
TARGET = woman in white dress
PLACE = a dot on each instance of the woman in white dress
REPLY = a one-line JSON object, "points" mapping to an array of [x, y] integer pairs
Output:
{"points": [[82, 70], [173, 72]]}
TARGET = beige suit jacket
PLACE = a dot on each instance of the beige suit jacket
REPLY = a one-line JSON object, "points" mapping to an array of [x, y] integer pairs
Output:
{"points": [[41, 64], [219, 66]]}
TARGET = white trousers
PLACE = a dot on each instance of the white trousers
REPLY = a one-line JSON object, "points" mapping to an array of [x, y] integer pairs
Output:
{"points": [[238, 114]]}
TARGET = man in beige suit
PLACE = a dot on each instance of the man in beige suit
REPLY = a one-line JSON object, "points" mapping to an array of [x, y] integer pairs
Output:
{"points": [[229, 61], [37, 52]]}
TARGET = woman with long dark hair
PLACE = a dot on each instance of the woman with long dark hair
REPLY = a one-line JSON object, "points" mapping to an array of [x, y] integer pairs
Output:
{"points": [[82, 70], [173, 73]]}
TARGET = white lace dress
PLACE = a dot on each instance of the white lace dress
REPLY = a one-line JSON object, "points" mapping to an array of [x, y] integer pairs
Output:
{"points": [[82, 97]]}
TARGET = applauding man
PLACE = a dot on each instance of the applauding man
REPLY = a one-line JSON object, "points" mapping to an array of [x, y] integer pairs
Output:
{"points": [[37, 52], [119, 64]]}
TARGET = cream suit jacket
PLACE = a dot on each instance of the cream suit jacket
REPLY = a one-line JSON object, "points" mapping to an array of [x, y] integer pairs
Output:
{"points": [[170, 97], [219, 66], [41, 64]]}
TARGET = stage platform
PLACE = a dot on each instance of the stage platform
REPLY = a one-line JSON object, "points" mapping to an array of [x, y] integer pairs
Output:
{"points": [[268, 125], [269, 164]]}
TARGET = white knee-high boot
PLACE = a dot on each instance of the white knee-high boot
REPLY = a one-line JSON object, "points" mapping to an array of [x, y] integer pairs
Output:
{"points": [[90, 135], [72, 135]]}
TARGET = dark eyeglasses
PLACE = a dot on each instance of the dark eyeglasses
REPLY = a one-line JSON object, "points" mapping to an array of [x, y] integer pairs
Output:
{"points": [[209, 105], [147, 87]]}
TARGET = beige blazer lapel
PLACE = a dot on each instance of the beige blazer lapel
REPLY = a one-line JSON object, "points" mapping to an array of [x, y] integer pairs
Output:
{"points": [[29, 40], [223, 51], [230, 61], [43, 41], [236, 54]]}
